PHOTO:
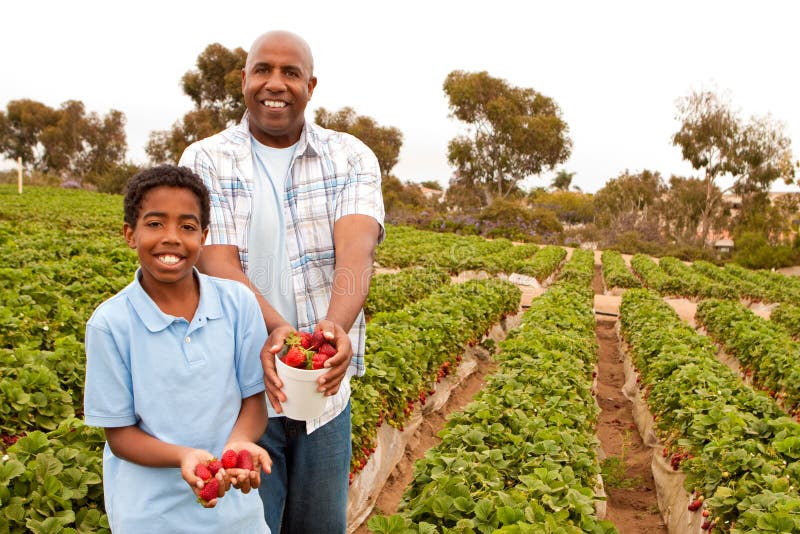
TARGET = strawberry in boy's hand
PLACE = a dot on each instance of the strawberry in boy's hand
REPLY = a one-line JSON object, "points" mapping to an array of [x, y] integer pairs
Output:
{"points": [[245, 460], [203, 472], [308, 351], [230, 459], [209, 492]]}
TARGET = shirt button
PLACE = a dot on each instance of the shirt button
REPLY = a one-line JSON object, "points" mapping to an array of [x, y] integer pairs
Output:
{"points": [[188, 339]]}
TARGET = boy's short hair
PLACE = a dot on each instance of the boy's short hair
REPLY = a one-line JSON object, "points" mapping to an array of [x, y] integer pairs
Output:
{"points": [[164, 175]]}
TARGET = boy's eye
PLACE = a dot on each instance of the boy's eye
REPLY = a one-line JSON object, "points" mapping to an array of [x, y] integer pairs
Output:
{"points": [[189, 227], [153, 224]]}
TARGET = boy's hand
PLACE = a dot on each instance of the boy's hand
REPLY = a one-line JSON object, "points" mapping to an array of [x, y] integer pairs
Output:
{"points": [[338, 363], [247, 479], [272, 383], [189, 463]]}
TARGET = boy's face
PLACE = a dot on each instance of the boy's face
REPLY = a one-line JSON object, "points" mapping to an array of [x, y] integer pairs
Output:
{"points": [[168, 237]]}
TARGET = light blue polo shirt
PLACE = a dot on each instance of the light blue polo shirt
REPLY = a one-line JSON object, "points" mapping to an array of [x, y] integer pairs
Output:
{"points": [[182, 382]]}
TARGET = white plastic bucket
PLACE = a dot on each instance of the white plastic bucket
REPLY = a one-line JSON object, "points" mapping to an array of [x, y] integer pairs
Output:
{"points": [[303, 401]]}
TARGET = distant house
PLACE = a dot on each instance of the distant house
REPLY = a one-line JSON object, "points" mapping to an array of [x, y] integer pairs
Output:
{"points": [[429, 193], [723, 246]]}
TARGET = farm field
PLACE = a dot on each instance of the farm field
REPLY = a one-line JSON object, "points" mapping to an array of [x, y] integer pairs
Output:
{"points": [[482, 410]]}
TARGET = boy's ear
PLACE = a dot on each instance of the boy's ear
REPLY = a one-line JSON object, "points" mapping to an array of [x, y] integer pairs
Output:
{"points": [[205, 235], [127, 231]]}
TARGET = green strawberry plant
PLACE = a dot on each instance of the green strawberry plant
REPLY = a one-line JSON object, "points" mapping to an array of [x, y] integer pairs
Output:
{"points": [[522, 456], [615, 272], [736, 445], [765, 349]]}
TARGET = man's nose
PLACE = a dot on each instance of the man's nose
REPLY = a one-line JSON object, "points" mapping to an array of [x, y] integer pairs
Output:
{"points": [[275, 82]]}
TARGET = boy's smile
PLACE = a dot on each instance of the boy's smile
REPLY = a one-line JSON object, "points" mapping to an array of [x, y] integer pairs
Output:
{"points": [[167, 238]]}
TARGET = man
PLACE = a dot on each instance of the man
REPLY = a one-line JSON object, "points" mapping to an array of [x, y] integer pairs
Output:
{"points": [[296, 214]]}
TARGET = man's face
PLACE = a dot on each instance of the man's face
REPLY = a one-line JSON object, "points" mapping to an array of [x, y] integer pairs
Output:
{"points": [[277, 83]]}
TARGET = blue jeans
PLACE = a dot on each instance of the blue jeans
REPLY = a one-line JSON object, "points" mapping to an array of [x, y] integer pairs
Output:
{"points": [[306, 493]]}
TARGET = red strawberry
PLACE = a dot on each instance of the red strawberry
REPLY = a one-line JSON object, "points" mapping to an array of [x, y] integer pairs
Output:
{"points": [[327, 349], [318, 361], [245, 460], [306, 340], [202, 471], [317, 339], [209, 491], [696, 504], [214, 465], [296, 357], [230, 459]]}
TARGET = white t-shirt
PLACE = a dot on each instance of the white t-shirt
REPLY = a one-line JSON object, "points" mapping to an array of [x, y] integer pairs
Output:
{"points": [[269, 268]]}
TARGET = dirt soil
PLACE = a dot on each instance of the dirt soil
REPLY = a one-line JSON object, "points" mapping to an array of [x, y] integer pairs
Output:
{"points": [[632, 503], [632, 506]]}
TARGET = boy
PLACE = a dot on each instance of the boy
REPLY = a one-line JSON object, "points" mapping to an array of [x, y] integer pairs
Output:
{"points": [[173, 372]]}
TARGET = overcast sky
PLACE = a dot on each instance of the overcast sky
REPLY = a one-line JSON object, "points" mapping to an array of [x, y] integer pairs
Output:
{"points": [[615, 68]]}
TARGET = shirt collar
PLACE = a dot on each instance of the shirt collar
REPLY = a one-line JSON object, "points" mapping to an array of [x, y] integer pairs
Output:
{"points": [[155, 320], [307, 146]]}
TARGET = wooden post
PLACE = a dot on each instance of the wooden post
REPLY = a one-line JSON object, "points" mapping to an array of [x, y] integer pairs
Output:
{"points": [[19, 175]]}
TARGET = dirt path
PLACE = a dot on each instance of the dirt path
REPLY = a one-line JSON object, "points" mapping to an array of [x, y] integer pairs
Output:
{"points": [[632, 505]]}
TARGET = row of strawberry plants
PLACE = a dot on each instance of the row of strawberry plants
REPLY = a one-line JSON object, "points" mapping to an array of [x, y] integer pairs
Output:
{"points": [[390, 292], [696, 284], [742, 288], [506, 260], [765, 350], [788, 316], [735, 445], [615, 272], [579, 269], [543, 264], [781, 287], [406, 247], [521, 457], [655, 277], [408, 350]]}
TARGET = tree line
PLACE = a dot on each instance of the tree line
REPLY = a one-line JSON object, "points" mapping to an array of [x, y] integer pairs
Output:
{"points": [[509, 134]]}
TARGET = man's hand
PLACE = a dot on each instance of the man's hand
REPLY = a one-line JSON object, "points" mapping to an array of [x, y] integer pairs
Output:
{"points": [[329, 382], [272, 383]]}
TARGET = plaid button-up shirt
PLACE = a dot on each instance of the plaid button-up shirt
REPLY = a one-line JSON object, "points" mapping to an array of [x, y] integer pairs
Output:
{"points": [[333, 174]]}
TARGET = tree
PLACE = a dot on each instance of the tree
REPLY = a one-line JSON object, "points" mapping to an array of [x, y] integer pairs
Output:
{"points": [[715, 140], [682, 208], [512, 132], [215, 87], [384, 141], [562, 180], [24, 120], [66, 141], [628, 203], [571, 207]]}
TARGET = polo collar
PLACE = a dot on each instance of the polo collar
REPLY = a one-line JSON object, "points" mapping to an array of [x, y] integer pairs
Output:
{"points": [[155, 320]]}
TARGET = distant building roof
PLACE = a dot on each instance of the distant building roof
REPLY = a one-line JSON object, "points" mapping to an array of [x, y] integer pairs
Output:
{"points": [[723, 243]]}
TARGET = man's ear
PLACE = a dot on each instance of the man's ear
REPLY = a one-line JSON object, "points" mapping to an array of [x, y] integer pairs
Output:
{"points": [[127, 231], [312, 83]]}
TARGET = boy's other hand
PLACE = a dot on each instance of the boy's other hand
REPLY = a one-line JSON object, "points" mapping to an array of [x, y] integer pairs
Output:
{"points": [[247, 479], [272, 383], [329, 382], [189, 462]]}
